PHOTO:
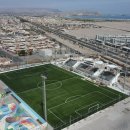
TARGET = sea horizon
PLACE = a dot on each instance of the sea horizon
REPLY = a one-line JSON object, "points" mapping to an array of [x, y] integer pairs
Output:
{"points": [[100, 17]]}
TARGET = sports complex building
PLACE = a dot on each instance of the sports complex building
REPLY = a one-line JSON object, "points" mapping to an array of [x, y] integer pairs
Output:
{"points": [[95, 69], [70, 94]]}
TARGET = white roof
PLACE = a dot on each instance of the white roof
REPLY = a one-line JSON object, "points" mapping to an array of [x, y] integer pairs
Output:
{"points": [[112, 66], [89, 59], [99, 62]]}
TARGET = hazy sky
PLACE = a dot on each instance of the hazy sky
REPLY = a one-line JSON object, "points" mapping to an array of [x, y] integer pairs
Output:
{"points": [[104, 6]]}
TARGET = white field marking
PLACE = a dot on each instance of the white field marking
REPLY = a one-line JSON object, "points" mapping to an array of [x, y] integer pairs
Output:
{"points": [[21, 68], [40, 82], [68, 79], [20, 71], [72, 100], [87, 106], [62, 80], [97, 105], [56, 82], [72, 97], [52, 80], [103, 88], [41, 87], [105, 95], [62, 69], [104, 104], [56, 116], [28, 90], [59, 96], [109, 91], [76, 111], [60, 85], [30, 75], [25, 68], [75, 77], [7, 77]]}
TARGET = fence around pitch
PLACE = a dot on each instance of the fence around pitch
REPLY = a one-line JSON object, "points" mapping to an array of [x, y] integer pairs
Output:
{"points": [[60, 126]]}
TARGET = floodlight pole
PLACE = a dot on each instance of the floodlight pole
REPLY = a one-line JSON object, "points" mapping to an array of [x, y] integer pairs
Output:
{"points": [[44, 96]]}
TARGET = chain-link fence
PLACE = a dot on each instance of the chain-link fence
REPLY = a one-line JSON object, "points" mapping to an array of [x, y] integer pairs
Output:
{"points": [[89, 111]]}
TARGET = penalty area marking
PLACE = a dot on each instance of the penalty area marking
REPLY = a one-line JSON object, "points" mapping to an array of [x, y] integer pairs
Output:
{"points": [[105, 95], [56, 116], [81, 108]]}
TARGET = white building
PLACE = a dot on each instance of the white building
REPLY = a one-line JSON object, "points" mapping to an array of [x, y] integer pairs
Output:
{"points": [[114, 39]]}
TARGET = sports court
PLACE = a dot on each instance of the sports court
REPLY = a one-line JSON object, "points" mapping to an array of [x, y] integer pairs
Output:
{"points": [[69, 98]]}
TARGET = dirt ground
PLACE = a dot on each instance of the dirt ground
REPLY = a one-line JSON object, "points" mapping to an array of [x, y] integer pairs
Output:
{"points": [[107, 28], [127, 82]]}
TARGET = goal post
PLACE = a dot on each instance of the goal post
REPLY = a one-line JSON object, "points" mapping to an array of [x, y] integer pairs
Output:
{"points": [[94, 107]]}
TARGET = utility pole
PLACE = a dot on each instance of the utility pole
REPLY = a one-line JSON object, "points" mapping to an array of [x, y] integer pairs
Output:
{"points": [[44, 96]]}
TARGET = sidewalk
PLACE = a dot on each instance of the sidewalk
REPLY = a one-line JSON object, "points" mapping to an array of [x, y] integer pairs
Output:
{"points": [[116, 117]]}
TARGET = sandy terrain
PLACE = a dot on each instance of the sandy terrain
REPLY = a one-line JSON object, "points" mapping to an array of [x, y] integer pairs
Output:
{"points": [[84, 50], [118, 25], [115, 28]]}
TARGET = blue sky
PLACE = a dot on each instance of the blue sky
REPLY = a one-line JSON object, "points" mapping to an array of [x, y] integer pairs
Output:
{"points": [[103, 6]]}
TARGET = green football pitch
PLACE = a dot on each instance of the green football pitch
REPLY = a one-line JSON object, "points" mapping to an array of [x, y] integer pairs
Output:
{"points": [[69, 98]]}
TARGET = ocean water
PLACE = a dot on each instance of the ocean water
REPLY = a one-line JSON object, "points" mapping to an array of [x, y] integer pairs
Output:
{"points": [[102, 17]]}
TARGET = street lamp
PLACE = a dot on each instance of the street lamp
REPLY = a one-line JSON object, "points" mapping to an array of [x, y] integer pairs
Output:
{"points": [[44, 95]]}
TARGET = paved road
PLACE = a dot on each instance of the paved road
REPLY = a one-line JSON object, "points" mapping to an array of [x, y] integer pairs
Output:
{"points": [[116, 117], [15, 59], [74, 41]]}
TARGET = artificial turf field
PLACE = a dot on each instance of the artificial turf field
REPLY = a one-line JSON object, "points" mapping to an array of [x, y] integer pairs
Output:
{"points": [[69, 98]]}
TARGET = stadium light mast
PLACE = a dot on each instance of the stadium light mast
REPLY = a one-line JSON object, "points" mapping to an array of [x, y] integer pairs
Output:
{"points": [[44, 95]]}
